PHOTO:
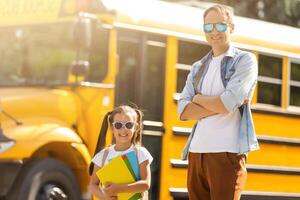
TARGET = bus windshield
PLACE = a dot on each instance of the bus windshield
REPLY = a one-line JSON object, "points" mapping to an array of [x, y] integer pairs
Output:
{"points": [[36, 54]]}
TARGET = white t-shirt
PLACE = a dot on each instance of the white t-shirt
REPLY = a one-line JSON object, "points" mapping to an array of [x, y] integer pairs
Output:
{"points": [[142, 154], [216, 133]]}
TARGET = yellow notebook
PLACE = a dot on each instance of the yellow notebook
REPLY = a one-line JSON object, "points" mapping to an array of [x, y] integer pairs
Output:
{"points": [[116, 171]]}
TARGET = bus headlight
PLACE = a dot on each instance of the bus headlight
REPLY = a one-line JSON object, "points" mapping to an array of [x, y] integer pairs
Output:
{"points": [[4, 146]]}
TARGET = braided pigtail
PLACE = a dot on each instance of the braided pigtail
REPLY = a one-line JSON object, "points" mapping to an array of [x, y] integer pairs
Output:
{"points": [[101, 139]]}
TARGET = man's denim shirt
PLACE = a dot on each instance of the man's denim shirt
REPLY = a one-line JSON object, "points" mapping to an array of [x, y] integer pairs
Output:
{"points": [[239, 76]]}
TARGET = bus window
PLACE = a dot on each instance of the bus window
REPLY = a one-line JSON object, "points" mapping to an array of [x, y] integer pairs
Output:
{"points": [[36, 54], [152, 95], [269, 80], [295, 84], [182, 73], [188, 53], [142, 61], [129, 60], [98, 54]]}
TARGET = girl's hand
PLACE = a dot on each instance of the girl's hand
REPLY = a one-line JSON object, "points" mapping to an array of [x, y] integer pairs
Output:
{"points": [[110, 198], [111, 189]]}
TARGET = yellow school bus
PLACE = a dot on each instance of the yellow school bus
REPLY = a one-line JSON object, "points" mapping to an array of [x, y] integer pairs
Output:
{"points": [[61, 70]]}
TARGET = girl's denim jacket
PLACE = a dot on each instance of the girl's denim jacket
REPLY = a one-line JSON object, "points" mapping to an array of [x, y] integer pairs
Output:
{"points": [[239, 76]]}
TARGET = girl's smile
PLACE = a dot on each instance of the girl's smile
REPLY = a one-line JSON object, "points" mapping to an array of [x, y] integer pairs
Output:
{"points": [[123, 129]]}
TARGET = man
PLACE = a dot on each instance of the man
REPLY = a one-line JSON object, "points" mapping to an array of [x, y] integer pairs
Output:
{"points": [[217, 94]]}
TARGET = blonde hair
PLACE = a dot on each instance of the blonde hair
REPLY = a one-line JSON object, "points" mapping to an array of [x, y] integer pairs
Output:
{"points": [[124, 109], [226, 11]]}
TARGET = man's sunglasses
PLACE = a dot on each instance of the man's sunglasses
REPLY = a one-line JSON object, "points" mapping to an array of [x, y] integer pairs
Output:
{"points": [[221, 27], [120, 125]]}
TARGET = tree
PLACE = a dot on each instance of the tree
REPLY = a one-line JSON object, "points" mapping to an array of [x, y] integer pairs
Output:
{"points": [[278, 11]]}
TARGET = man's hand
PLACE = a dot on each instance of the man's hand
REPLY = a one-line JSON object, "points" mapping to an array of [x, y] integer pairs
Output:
{"points": [[196, 98], [246, 101]]}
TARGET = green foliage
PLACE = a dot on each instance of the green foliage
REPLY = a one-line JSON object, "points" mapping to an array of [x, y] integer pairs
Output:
{"points": [[278, 11]]}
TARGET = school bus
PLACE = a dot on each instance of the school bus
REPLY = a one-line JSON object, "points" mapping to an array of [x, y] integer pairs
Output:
{"points": [[61, 70]]}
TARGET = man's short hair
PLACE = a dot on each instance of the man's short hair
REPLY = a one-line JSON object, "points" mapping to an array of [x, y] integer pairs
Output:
{"points": [[224, 10]]}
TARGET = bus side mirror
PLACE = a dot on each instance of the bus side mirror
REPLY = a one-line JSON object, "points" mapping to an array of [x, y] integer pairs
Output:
{"points": [[83, 30], [79, 69], [82, 34]]}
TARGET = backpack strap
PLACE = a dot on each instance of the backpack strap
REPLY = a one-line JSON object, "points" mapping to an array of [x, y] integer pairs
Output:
{"points": [[105, 154], [136, 152], [144, 194]]}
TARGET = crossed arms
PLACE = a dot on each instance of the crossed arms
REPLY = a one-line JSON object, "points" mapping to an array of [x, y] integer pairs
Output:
{"points": [[203, 106], [238, 91]]}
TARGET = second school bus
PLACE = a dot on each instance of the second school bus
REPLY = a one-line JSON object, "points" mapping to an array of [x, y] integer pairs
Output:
{"points": [[59, 75]]}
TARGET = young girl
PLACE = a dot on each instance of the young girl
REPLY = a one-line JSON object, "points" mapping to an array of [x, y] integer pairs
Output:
{"points": [[126, 126]]}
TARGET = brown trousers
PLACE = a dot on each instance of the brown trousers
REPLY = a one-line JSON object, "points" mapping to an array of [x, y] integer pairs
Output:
{"points": [[216, 176]]}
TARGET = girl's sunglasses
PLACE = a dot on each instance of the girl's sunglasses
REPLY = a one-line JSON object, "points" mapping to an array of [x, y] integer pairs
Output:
{"points": [[221, 27], [120, 125]]}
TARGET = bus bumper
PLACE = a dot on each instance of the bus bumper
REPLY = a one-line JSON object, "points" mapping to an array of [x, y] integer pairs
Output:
{"points": [[9, 170]]}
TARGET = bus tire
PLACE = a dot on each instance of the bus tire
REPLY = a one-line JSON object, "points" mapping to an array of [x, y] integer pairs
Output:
{"points": [[45, 179]]}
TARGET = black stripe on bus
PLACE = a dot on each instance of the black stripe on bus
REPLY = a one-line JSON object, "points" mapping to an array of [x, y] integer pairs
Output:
{"points": [[273, 169], [275, 112], [261, 138], [278, 140], [250, 168], [153, 126], [181, 131], [181, 194]]}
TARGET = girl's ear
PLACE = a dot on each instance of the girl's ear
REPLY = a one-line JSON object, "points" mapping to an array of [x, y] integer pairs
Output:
{"points": [[136, 126]]}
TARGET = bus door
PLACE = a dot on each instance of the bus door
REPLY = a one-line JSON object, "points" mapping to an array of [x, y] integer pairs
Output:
{"points": [[140, 80]]}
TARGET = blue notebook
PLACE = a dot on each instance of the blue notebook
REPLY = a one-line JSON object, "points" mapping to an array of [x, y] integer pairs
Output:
{"points": [[132, 157]]}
